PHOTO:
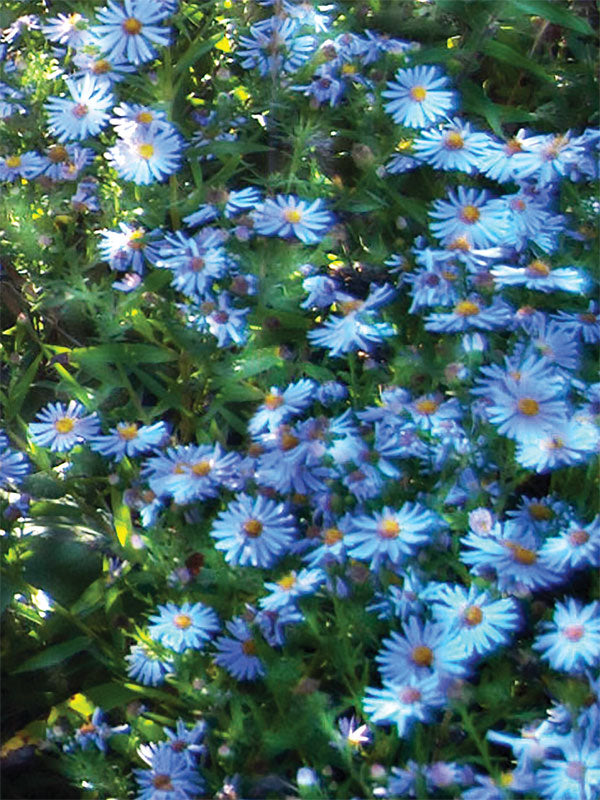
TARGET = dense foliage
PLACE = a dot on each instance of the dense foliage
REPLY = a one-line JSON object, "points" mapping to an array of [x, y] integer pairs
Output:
{"points": [[298, 466]]}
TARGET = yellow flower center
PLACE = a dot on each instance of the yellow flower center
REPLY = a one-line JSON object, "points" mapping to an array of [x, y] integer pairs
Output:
{"points": [[469, 214], [101, 66], [132, 26], [64, 425], [292, 215], [146, 150], [201, 468], [513, 146], [388, 529], [538, 269], [348, 69], [87, 727], [57, 153], [13, 161], [332, 535], [427, 406], [540, 512], [506, 779], [473, 615], [253, 528], [144, 117], [128, 432], [528, 406], [182, 621], [273, 401], [522, 555], [466, 308], [288, 582], [454, 141], [348, 306], [422, 655], [460, 243], [249, 647], [554, 443], [289, 441], [418, 93]]}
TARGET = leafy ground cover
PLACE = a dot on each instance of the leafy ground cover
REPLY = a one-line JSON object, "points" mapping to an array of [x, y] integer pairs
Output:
{"points": [[298, 465]]}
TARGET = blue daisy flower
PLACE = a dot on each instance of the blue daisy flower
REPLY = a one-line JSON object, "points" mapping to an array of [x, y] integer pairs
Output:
{"points": [[131, 118], [326, 87], [497, 161], [404, 702], [291, 587], [84, 114], [25, 165], [196, 262], [97, 731], [469, 217], [280, 406], [129, 248], [181, 627], [454, 147], [529, 219], [254, 531], [584, 324], [170, 777], [129, 439], [14, 465], [561, 444], [61, 427], [91, 61], [147, 156], [186, 740], [130, 31], [71, 30], [470, 313], [288, 215], [576, 547], [548, 158], [190, 472], [419, 96], [572, 769], [541, 276], [273, 46], [146, 667], [226, 323], [237, 654], [571, 642]]}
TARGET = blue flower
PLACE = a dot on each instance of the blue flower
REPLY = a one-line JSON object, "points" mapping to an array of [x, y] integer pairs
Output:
{"points": [[497, 162], [419, 96], [273, 46], [561, 444], [128, 248], [288, 215], [572, 769], [484, 623], [292, 586], [25, 165], [530, 219], [238, 654], [540, 275], [170, 777], [190, 472], [404, 702], [130, 31], [279, 406], [571, 642], [576, 547], [547, 158], [196, 262], [454, 147], [228, 324], [183, 627], [470, 313], [146, 667], [71, 30], [84, 114], [147, 156], [128, 439], [391, 535], [254, 531], [61, 427], [469, 219], [14, 465], [91, 61], [97, 731], [325, 87], [186, 740]]}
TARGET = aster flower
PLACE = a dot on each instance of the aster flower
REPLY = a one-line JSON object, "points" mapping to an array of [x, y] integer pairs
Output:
{"points": [[130, 31], [329, 544], [253, 531], [571, 642], [186, 740], [226, 323], [71, 30], [170, 777], [529, 219], [97, 731], [64, 162], [147, 156], [196, 262], [190, 472], [564, 443], [540, 275], [25, 165], [129, 439], [133, 118], [497, 161], [237, 654], [181, 627], [548, 158], [469, 216], [576, 547], [91, 61], [273, 46], [585, 324], [146, 667], [280, 406], [287, 216], [61, 427], [128, 248], [84, 114], [326, 87], [292, 586], [454, 147], [14, 465], [470, 313], [419, 96], [353, 734], [404, 702]]}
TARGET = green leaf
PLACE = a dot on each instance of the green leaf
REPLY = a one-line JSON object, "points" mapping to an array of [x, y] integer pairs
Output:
{"points": [[193, 53], [54, 655], [502, 52], [19, 391], [556, 13]]}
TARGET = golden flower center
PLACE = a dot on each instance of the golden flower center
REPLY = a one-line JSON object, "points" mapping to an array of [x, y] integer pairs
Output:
{"points": [[332, 535], [466, 308], [579, 537], [506, 779], [513, 146], [80, 110], [289, 441], [528, 406], [427, 406], [135, 240], [101, 66], [349, 69], [540, 512], [273, 401], [469, 214], [460, 243], [201, 468], [473, 615], [422, 655], [388, 529], [132, 26], [522, 555], [197, 264], [348, 306], [64, 425], [128, 432], [87, 727], [538, 269], [253, 528], [144, 117], [454, 141], [182, 621], [574, 632], [292, 215], [418, 93], [249, 647], [13, 161], [146, 150], [57, 154], [287, 582], [162, 783]]}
